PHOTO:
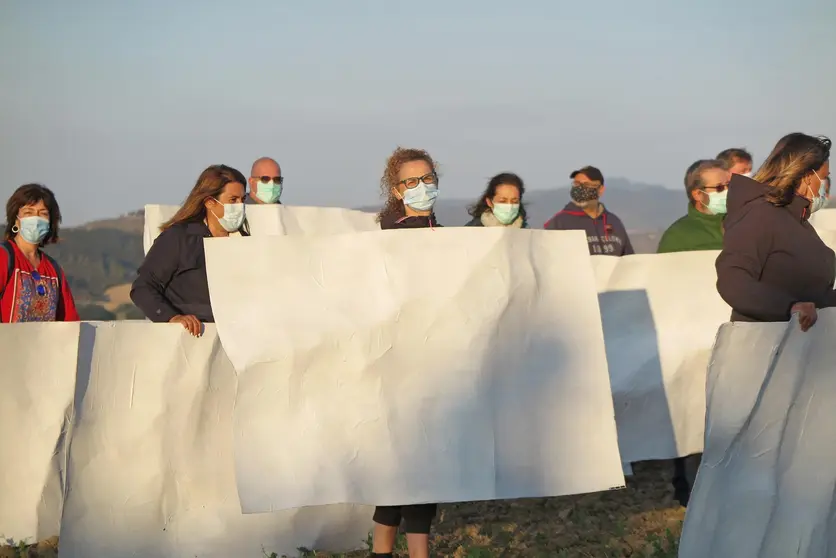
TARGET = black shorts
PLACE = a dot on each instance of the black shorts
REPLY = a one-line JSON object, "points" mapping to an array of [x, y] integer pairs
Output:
{"points": [[417, 518]]}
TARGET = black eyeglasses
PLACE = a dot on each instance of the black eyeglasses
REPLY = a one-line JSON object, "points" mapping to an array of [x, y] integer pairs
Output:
{"points": [[40, 288], [718, 188], [266, 179], [429, 178]]}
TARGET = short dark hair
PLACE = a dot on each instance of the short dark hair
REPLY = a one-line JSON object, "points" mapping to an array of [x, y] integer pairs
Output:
{"points": [[481, 205], [693, 176], [730, 156], [593, 173], [29, 194]]}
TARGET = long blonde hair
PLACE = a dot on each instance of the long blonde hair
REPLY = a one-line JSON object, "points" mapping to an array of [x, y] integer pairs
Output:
{"points": [[393, 209], [210, 184], [794, 157]]}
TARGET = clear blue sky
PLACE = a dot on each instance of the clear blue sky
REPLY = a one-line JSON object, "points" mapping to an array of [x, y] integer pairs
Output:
{"points": [[116, 104]]}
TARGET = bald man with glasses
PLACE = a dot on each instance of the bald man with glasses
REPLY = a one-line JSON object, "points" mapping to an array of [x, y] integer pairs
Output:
{"points": [[265, 182]]}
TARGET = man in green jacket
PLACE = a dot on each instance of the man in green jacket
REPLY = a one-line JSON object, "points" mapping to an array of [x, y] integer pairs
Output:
{"points": [[707, 185]]}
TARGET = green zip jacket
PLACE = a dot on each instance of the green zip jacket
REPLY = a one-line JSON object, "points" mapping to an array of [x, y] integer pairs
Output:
{"points": [[695, 231]]}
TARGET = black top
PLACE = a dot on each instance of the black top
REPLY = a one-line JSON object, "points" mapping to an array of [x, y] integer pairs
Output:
{"points": [[172, 278], [414, 222], [772, 257]]}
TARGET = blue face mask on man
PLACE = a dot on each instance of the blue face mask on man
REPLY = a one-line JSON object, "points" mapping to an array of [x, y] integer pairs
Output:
{"points": [[268, 192]]}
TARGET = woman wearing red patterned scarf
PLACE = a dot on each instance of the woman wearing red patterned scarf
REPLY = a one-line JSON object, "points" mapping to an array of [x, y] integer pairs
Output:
{"points": [[33, 287]]}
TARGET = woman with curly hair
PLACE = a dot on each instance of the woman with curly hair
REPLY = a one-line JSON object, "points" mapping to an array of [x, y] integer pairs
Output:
{"points": [[500, 204], [410, 186]]}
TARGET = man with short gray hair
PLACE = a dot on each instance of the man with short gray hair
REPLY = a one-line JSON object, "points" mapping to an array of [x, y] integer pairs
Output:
{"points": [[265, 182], [737, 160], [706, 185]]}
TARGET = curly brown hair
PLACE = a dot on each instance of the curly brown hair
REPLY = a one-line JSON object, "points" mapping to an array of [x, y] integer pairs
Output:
{"points": [[393, 209]]}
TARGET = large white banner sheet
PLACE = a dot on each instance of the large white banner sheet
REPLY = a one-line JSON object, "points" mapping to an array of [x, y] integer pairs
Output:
{"points": [[766, 484], [37, 382], [276, 219], [414, 366], [660, 315], [132, 421]]}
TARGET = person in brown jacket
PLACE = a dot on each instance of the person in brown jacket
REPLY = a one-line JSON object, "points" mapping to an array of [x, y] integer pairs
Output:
{"points": [[773, 263]]}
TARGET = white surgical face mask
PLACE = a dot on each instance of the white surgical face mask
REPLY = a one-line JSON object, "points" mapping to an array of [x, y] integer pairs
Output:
{"points": [[422, 197], [749, 174], [233, 216], [817, 202], [34, 229]]}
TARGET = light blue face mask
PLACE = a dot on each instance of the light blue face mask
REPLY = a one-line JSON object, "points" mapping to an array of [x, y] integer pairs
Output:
{"points": [[422, 197], [819, 201], [233, 216], [269, 192], [717, 202], [34, 229], [505, 213]]}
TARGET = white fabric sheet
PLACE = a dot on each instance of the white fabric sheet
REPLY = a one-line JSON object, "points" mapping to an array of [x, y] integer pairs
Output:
{"points": [[824, 219], [151, 466], [660, 314], [414, 366], [37, 380], [282, 220], [765, 488]]}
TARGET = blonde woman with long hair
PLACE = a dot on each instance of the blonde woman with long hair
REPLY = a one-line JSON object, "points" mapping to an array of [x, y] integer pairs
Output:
{"points": [[773, 263], [172, 284]]}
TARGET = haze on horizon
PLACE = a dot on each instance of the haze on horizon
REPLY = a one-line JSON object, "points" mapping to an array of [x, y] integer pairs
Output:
{"points": [[115, 105]]}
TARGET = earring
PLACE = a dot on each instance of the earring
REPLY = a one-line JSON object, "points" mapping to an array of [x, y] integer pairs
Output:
{"points": [[15, 229]]}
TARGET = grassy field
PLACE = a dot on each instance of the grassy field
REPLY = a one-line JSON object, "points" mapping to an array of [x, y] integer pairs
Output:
{"points": [[639, 521]]}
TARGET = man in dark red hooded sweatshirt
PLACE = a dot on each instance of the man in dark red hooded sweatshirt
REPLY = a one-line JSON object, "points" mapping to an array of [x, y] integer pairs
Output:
{"points": [[605, 233]]}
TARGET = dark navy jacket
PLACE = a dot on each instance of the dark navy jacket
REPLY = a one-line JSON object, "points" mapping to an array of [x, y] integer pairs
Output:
{"points": [[605, 234]]}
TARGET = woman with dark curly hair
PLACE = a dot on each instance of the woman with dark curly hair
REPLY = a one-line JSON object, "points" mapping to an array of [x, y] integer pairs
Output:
{"points": [[33, 287], [410, 186], [501, 204], [773, 263]]}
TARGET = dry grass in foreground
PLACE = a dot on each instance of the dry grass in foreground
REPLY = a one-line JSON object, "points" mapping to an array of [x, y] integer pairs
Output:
{"points": [[639, 521]]}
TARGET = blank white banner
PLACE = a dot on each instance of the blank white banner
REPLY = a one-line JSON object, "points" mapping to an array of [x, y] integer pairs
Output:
{"points": [[37, 382], [414, 366], [151, 466], [660, 314], [275, 219], [766, 484]]}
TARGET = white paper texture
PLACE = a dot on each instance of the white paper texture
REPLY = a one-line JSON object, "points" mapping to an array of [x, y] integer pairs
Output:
{"points": [[276, 219], [151, 466], [766, 484], [660, 314], [414, 366], [36, 397], [824, 220]]}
